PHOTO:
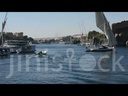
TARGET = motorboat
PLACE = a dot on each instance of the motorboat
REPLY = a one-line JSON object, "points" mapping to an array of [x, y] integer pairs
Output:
{"points": [[44, 52]]}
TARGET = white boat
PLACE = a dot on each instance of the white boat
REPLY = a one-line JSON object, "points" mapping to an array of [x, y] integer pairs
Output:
{"points": [[4, 51], [44, 52], [103, 24], [102, 49], [19, 46]]}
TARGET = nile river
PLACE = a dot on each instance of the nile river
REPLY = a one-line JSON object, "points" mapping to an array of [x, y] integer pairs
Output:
{"points": [[66, 64]]}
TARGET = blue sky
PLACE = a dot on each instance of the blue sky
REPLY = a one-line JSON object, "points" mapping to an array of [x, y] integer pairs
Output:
{"points": [[55, 24]]}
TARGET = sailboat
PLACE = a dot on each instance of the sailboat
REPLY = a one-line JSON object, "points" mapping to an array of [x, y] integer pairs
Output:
{"points": [[4, 51], [17, 46], [103, 25]]}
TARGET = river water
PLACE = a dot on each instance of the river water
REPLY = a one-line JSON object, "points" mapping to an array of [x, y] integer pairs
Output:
{"points": [[66, 64]]}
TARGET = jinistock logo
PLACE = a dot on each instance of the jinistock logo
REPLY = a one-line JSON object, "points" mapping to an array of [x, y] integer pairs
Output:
{"points": [[87, 62]]}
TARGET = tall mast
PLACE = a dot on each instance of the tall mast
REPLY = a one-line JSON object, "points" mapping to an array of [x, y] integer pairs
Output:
{"points": [[3, 26]]}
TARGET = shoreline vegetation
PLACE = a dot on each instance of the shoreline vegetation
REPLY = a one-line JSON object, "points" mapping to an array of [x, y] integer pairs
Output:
{"points": [[93, 37]]}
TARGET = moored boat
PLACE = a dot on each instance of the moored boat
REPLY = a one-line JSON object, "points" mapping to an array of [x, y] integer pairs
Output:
{"points": [[99, 49], [19, 46]]}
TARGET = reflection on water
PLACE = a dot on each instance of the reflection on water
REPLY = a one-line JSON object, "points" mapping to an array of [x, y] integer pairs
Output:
{"points": [[66, 64]]}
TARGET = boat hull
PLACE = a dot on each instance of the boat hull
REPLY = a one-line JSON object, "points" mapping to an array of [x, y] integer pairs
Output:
{"points": [[22, 49], [98, 50]]}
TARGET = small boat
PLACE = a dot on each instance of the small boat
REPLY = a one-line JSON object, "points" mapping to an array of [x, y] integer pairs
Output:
{"points": [[42, 52], [99, 49]]}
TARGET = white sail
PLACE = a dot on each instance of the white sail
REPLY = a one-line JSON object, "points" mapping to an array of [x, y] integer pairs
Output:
{"points": [[103, 25]]}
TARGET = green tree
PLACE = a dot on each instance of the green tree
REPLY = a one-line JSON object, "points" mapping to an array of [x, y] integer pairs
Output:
{"points": [[96, 37], [25, 37]]}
